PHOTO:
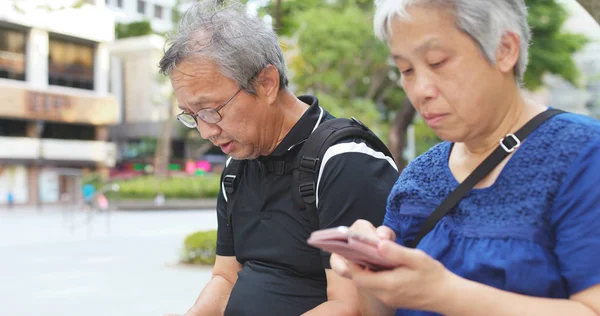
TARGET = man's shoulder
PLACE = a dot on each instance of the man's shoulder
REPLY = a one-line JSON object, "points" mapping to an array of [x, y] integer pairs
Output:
{"points": [[356, 152]]}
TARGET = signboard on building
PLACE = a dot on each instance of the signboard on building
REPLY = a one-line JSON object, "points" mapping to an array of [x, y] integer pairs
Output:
{"points": [[85, 107]]}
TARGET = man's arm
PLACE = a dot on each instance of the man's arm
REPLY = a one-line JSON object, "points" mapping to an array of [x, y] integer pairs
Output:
{"points": [[215, 295], [354, 182], [342, 298], [213, 299]]}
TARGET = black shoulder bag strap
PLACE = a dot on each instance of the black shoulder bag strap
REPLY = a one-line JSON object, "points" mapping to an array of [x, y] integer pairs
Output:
{"points": [[507, 145]]}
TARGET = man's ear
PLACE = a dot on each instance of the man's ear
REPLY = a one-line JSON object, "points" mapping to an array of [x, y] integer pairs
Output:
{"points": [[267, 83], [508, 52]]}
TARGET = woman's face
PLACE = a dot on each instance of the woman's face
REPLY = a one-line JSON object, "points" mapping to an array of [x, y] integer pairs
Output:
{"points": [[446, 77]]}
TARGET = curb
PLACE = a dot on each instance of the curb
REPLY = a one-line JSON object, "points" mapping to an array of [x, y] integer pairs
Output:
{"points": [[177, 205]]}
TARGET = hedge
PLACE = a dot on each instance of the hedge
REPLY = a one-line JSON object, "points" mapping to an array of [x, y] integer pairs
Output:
{"points": [[200, 248], [147, 187]]}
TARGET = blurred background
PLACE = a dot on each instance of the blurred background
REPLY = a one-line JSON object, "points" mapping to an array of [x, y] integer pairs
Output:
{"points": [[107, 203]]}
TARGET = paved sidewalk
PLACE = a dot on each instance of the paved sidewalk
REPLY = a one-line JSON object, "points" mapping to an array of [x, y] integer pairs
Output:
{"points": [[63, 262]]}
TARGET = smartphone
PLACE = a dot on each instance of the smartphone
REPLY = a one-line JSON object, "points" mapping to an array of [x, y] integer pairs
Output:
{"points": [[357, 248]]}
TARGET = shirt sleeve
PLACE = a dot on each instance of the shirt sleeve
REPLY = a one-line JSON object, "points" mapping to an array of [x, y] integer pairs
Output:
{"points": [[224, 234], [353, 183], [576, 221]]}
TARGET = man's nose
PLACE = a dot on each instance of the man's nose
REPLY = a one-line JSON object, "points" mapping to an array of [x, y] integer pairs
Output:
{"points": [[207, 130]]}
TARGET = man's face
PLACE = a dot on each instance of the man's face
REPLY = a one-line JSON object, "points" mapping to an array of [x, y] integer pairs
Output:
{"points": [[199, 85], [444, 74]]}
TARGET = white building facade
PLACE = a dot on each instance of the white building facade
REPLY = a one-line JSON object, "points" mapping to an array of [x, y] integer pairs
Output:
{"points": [[55, 105], [158, 12]]}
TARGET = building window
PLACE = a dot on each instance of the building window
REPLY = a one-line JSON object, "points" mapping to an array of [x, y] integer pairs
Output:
{"points": [[69, 131], [12, 54], [14, 128], [158, 11], [141, 6], [71, 64], [120, 3]]}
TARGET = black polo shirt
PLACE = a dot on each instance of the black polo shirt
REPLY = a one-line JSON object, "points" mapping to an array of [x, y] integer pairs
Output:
{"points": [[282, 274]]}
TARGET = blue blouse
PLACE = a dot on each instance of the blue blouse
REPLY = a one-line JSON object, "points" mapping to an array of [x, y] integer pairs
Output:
{"points": [[535, 231]]}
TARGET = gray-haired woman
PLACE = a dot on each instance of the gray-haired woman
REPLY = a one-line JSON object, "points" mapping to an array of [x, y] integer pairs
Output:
{"points": [[526, 239]]}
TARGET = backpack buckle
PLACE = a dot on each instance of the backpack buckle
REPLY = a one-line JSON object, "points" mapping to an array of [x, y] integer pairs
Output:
{"points": [[307, 192], [308, 164], [228, 181]]}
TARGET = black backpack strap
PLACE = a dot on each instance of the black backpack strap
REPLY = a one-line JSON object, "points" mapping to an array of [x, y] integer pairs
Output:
{"points": [[310, 156], [507, 145], [229, 183]]}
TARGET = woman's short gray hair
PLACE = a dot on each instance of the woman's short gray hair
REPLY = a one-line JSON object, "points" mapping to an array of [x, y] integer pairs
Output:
{"points": [[485, 21], [223, 32]]}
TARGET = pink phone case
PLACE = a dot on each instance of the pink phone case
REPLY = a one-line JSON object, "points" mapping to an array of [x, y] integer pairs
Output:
{"points": [[354, 247]]}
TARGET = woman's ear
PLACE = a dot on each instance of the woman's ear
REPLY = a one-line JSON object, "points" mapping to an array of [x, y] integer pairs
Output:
{"points": [[508, 52]]}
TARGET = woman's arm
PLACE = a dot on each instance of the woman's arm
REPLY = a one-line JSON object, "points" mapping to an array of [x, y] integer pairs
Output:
{"points": [[472, 298], [423, 283]]}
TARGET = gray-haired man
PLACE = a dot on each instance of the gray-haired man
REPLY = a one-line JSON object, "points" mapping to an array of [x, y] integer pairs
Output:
{"points": [[229, 76]]}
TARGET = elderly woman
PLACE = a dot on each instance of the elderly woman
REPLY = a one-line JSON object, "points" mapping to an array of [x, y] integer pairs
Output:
{"points": [[526, 239]]}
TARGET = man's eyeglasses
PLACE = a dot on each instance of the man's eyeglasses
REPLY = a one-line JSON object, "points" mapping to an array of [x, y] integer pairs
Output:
{"points": [[208, 115]]}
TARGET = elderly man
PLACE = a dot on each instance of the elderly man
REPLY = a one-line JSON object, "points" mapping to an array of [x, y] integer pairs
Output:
{"points": [[230, 79]]}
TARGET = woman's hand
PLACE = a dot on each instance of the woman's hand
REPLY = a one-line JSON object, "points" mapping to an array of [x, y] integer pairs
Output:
{"points": [[340, 265], [420, 282]]}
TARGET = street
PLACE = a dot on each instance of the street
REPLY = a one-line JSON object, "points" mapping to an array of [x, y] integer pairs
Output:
{"points": [[63, 262]]}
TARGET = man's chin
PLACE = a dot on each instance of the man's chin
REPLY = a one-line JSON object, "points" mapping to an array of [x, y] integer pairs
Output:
{"points": [[238, 156]]}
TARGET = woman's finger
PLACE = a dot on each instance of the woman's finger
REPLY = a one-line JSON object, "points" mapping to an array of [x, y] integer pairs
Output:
{"points": [[385, 233], [400, 255], [340, 266]]}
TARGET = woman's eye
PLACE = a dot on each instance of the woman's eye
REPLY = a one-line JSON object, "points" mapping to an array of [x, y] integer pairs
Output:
{"points": [[406, 72], [438, 64]]}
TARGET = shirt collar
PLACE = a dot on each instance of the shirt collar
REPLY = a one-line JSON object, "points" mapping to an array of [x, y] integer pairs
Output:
{"points": [[307, 123]]}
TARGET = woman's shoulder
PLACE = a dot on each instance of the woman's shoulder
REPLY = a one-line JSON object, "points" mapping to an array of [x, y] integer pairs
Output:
{"points": [[430, 161], [562, 138], [574, 127]]}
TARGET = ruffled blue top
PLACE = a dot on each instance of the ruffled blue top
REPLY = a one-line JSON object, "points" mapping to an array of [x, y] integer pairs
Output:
{"points": [[535, 231]]}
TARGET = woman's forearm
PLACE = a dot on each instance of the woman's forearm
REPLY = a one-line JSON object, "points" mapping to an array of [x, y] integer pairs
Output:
{"points": [[472, 298], [371, 306]]}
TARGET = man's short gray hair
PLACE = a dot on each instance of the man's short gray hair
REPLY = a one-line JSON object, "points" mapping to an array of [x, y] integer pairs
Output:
{"points": [[223, 32], [485, 21]]}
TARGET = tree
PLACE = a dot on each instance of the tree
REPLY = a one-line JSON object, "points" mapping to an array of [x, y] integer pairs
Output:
{"points": [[133, 29], [341, 61], [552, 48], [593, 7]]}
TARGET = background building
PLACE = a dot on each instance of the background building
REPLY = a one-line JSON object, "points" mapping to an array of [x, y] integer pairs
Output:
{"points": [[158, 12], [55, 106]]}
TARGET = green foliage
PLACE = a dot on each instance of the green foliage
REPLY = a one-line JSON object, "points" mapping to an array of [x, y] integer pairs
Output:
{"points": [[334, 59], [289, 8], [200, 248], [189, 187], [360, 108], [94, 179], [552, 48], [141, 28], [340, 60]]}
